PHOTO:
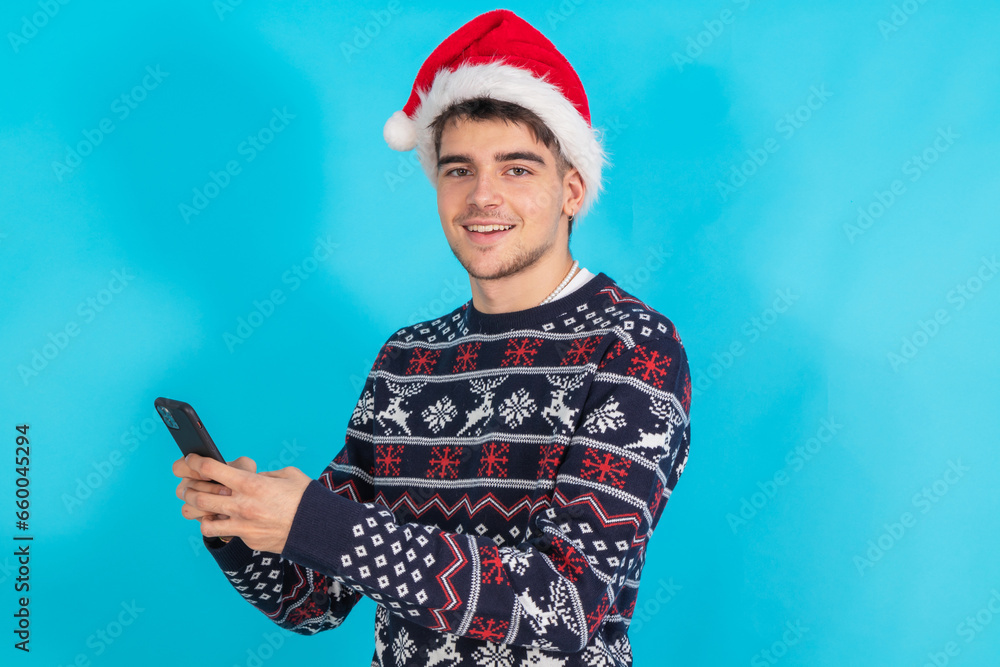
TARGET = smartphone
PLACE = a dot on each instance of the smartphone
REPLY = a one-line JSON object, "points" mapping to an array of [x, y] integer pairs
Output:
{"points": [[187, 428]]}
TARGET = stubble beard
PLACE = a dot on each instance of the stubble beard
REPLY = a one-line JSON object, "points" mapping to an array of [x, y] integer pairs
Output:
{"points": [[519, 260]]}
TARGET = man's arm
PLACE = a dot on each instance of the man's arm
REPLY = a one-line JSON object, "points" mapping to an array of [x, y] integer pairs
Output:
{"points": [[553, 590]]}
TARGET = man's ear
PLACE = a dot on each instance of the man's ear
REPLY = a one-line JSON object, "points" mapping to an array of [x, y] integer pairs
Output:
{"points": [[574, 189]]}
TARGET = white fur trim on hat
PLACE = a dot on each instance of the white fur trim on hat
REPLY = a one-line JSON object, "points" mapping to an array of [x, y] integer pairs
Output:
{"points": [[579, 142]]}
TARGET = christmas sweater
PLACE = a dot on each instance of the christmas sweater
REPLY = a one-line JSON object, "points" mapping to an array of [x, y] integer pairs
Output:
{"points": [[500, 479]]}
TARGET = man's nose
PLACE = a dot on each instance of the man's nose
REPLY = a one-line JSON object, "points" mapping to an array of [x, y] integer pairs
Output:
{"points": [[486, 191]]}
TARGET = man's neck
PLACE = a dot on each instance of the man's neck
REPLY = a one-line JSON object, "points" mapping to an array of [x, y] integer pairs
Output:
{"points": [[522, 290]]}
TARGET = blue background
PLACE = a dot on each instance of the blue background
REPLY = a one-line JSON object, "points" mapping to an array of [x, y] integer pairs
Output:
{"points": [[759, 537]]}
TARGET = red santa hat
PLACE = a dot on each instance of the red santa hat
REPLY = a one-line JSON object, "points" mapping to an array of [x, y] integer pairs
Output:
{"points": [[500, 55]]}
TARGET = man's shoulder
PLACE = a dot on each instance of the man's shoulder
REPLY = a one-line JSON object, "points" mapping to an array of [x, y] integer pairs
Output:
{"points": [[649, 347], [440, 330], [635, 320]]}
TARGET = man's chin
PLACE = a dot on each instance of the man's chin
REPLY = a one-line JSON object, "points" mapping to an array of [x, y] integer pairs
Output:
{"points": [[489, 271], [498, 274], [486, 270], [494, 272]]}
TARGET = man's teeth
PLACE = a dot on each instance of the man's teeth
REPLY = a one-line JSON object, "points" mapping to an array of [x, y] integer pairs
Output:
{"points": [[488, 228]]}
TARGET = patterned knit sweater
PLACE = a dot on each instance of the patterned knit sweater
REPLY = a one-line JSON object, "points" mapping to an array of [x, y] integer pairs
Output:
{"points": [[501, 477]]}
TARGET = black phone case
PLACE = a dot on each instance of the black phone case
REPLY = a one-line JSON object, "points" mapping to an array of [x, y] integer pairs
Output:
{"points": [[188, 431]]}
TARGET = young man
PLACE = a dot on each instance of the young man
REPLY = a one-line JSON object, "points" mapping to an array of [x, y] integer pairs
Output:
{"points": [[506, 463]]}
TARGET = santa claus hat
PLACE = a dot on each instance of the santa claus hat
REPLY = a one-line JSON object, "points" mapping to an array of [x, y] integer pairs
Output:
{"points": [[500, 55]]}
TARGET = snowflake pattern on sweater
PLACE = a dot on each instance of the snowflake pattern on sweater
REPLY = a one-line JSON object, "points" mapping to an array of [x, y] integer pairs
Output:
{"points": [[501, 477]]}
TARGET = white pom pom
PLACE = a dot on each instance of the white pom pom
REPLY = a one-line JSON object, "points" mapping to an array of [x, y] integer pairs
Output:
{"points": [[400, 132]]}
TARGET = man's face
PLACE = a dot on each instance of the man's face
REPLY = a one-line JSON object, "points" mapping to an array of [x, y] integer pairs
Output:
{"points": [[496, 174]]}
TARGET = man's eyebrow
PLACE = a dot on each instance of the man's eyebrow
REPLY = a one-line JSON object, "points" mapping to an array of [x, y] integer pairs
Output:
{"points": [[520, 155], [527, 156]]}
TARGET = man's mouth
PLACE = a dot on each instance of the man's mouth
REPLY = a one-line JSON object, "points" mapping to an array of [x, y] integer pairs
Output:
{"points": [[488, 228], [484, 233]]}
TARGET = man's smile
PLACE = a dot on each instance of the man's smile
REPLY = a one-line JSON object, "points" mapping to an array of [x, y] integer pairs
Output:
{"points": [[486, 233]]}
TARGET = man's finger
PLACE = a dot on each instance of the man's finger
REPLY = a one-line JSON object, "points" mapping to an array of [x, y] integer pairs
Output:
{"points": [[283, 473], [209, 502], [208, 487], [220, 472], [192, 512], [221, 527], [181, 469], [244, 463]]}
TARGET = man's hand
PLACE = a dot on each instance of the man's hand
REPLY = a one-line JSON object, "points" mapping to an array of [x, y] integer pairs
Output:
{"points": [[258, 508], [191, 479]]}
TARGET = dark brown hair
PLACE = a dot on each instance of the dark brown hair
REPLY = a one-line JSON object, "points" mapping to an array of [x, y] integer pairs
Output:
{"points": [[487, 108]]}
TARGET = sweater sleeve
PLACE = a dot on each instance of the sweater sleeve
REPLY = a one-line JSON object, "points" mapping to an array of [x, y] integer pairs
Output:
{"points": [[627, 448], [293, 596]]}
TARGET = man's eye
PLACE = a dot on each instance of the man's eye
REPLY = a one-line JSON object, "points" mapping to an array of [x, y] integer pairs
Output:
{"points": [[520, 169], [452, 171]]}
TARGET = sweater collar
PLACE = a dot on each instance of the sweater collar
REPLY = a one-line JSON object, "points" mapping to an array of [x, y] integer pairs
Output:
{"points": [[476, 321]]}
